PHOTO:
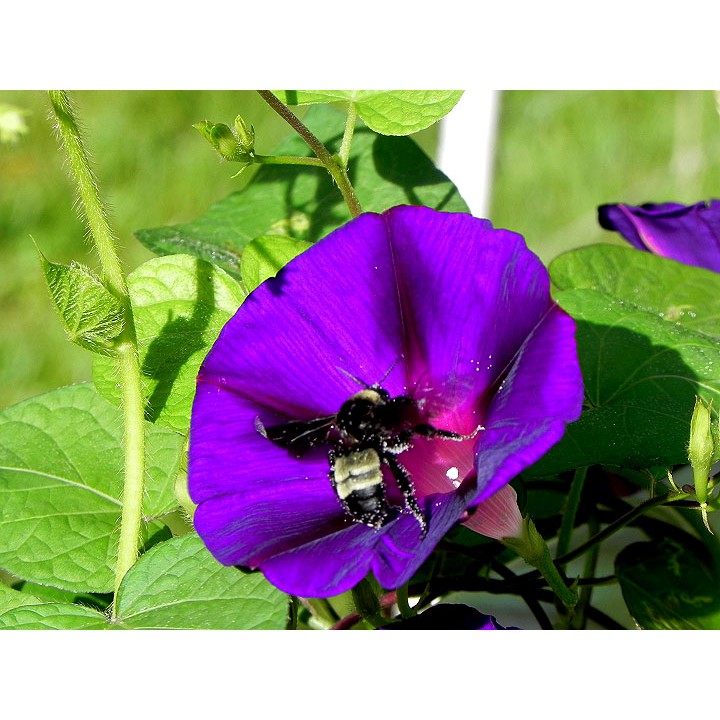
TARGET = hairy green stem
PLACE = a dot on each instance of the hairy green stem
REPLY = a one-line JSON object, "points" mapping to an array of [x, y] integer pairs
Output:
{"points": [[338, 173], [287, 160], [127, 355], [344, 152], [568, 519], [134, 447], [87, 187]]}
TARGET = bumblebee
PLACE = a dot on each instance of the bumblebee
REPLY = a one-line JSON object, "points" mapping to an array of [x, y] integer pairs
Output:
{"points": [[370, 430]]}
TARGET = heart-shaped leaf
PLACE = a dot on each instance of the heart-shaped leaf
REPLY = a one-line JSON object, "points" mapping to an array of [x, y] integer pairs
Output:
{"points": [[388, 112], [53, 616], [303, 202], [674, 291], [641, 375], [670, 585], [180, 304], [91, 315], [61, 464], [178, 584]]}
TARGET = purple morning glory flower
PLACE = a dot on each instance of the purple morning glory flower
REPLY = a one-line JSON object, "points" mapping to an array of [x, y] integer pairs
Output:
{"points": [[454, 320], [689, 234], [449, 617]]}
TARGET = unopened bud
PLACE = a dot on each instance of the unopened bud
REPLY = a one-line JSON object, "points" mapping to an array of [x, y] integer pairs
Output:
{"points": [[245, 135], [222, 138], [702, 447]]}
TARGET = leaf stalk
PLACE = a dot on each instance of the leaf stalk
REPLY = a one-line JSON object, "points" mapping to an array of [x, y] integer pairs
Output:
{"points": [[338, 173]]}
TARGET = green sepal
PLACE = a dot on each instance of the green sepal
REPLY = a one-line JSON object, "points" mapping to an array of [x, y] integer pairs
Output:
{"points": [[532, 548], [701, 447], [225, 142], [245, 135], [91, 315]]}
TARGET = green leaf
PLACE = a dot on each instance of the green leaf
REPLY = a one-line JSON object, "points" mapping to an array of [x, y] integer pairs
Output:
{"points": [[388, 112], [46, 593], [641, 375], [53, 616], [180, 304], [265, 255], [10, 598], [674, 291], [670, 585], [178, 584], [61, 466], [91, 315], [303, 202]]}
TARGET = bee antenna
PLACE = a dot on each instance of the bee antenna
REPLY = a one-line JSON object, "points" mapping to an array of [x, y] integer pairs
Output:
{"points": [[390, 369], [366, 385], [360, 382]]}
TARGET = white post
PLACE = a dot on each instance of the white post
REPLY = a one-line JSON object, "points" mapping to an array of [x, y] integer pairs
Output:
{"points": [[466, 148]]}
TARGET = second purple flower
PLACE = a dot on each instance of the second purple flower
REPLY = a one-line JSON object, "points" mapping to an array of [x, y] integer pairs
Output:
{"points": [[689, 234]]}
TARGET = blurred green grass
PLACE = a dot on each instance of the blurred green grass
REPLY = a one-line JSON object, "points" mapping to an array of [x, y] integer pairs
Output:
{"points": [[559, 155], [153, 168]]}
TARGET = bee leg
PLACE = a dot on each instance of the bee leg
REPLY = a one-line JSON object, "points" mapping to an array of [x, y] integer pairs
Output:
{"points": [[407, 489], [429, 431], [331, 474]]}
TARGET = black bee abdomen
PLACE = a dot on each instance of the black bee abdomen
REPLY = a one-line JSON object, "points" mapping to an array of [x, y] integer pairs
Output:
{"points": [[368, 505], [358, 482]]}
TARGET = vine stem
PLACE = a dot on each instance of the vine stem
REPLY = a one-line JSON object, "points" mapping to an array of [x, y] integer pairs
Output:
{"points": [[611, 529], [344, 152], [571, 508], [619, 524], [126, 349], [338, 173], [286, 160]]}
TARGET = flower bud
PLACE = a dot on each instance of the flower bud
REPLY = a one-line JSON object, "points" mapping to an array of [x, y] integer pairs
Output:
{"points": [[222, 138], [245, 135], [702, 447]]}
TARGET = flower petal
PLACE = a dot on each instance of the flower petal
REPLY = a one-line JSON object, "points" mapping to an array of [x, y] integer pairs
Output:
{"points": [[329, 314], [687, 233], [498, 516], [470, 295], [312, 559], [541, 394]]}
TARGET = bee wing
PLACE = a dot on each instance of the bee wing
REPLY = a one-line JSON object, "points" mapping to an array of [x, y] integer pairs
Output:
{"points": [[298, 436]]}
